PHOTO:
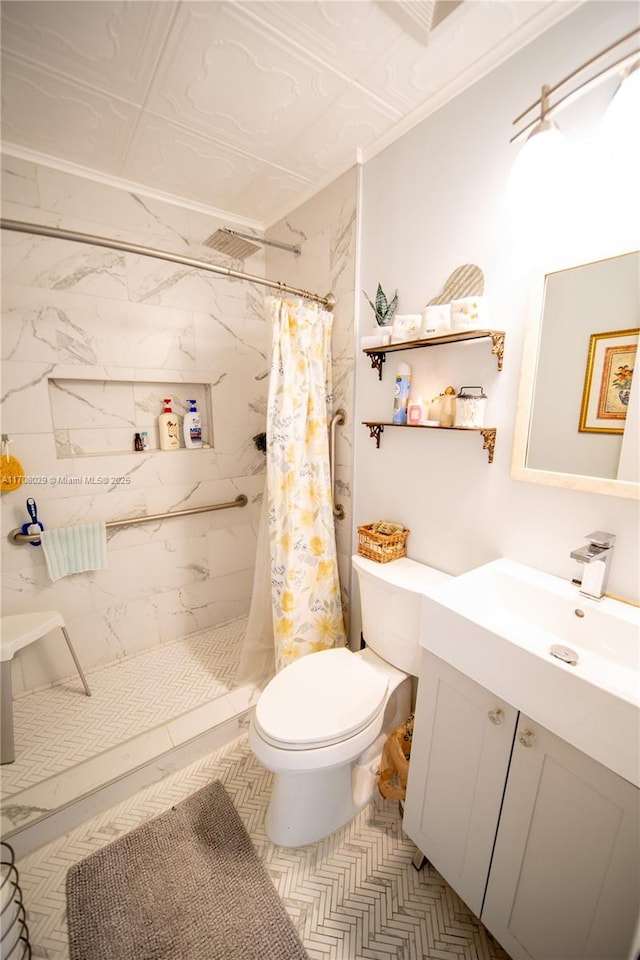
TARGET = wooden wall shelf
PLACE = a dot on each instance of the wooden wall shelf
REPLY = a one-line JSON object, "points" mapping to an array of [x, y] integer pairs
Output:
{"points": [[378, 354], [376, 429]]}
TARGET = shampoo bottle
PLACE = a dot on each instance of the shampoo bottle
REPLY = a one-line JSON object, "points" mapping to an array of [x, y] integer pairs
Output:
{"points": [[401, 397], [168, 428], [192, 426]]}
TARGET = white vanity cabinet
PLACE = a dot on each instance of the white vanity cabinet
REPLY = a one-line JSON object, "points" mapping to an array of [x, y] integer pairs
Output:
{"points": [[460, 754], [563, 882], [564, 879]]}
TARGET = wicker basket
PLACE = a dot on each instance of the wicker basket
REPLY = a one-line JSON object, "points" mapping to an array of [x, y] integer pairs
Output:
{"points": [[381, 547]]}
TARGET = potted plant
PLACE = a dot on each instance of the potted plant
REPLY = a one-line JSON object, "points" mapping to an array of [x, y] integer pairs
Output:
{"points": [[382, 308]]}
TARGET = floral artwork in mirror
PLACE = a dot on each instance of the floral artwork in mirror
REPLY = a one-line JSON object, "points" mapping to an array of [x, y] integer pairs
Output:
{"points": [[608, 378], [578, 416]]}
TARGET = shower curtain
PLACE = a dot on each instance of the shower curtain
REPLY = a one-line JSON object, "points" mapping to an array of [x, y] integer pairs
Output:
{"points": [[302, 590]]}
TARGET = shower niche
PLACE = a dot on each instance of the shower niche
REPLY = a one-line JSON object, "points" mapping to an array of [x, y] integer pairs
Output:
{"points": [[99, 417]]}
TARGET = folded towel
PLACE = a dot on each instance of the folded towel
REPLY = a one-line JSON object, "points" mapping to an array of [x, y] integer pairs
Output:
{"points": [[75, 549], [376, 339]]}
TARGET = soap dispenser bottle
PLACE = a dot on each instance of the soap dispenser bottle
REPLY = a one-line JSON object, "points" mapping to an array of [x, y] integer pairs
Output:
{"points": [[168, 428], [192, 427]]}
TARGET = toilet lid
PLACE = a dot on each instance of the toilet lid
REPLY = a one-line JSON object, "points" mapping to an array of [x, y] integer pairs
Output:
{"points": [[320, 699]]}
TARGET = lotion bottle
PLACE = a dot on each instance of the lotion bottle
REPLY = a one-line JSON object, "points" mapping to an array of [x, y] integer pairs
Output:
{"points": [[168, 428], [192, 427]]}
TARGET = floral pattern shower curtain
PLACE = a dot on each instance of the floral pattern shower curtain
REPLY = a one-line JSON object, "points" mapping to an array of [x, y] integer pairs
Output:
{"points": [[305, 590]]}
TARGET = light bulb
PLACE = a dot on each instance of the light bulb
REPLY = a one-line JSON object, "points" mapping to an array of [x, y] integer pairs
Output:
{"points": [[618, 154], [537, 183], [620, 121]]}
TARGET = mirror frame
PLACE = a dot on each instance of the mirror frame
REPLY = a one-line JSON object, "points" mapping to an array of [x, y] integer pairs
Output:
{"points": [[524, 409]]}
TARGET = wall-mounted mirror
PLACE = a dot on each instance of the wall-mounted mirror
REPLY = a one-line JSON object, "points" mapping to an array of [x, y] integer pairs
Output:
{"points": [[578, 419]]}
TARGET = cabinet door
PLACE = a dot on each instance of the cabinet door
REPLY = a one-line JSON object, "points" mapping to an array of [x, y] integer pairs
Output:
{"points": [[462, 741], [564, 875]]}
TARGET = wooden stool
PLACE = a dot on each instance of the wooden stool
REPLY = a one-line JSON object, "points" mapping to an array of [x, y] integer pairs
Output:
{"points": [[17, 632]]}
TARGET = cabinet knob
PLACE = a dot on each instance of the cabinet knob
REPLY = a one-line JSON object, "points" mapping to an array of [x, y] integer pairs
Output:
{"points": [[527, 738], [496, 715]]}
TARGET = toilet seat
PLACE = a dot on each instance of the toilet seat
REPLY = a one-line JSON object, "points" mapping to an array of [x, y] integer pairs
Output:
{"points": [[319, 700]]}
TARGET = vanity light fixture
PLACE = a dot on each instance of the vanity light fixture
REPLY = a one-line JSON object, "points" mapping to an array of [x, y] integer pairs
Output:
{"points": [[625, 103], [536, 178], [544, 124], [548, 106]]}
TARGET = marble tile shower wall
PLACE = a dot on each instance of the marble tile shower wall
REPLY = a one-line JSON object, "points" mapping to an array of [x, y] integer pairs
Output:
{"points": [[92, 339], [325, 227]]}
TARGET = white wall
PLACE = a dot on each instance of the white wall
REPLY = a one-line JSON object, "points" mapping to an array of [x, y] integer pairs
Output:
{"points": [[436, 199], [87, 314]]}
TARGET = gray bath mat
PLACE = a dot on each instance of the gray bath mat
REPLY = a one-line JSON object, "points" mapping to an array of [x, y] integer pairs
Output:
{"points": [[187, 885]]}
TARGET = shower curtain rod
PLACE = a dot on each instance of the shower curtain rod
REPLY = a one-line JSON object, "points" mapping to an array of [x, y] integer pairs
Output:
{"points": [[59, 234]]}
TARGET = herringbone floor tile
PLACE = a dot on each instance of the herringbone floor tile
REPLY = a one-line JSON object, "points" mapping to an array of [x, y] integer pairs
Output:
{"points": [[353, 896], [58, 727]]}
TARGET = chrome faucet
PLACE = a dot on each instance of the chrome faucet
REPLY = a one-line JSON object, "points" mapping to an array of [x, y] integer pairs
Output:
{"points": [[596, 559]]}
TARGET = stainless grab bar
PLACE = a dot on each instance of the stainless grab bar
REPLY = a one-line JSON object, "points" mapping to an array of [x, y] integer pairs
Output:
{"points": [[337, 420], [17, 536]]}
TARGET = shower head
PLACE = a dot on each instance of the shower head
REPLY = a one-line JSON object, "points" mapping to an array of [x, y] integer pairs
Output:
{"points": [[227, 242], [231, 243]]}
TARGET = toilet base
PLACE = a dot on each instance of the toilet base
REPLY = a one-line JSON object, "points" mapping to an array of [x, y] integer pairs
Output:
{"points": [[307, 805]]}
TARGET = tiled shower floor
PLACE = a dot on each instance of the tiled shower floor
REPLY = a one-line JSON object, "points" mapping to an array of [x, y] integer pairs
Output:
{"points": [[142, 709], [57, 727]]}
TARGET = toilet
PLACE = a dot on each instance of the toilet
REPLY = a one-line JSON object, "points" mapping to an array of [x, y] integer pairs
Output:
{"points": [[320, 724]]}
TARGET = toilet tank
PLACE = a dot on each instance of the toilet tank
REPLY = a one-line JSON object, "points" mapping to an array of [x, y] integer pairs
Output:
{"points": [[390, 605]]}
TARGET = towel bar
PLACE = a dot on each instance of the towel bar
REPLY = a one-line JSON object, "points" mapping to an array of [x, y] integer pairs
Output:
{"points": [[18, 537]]}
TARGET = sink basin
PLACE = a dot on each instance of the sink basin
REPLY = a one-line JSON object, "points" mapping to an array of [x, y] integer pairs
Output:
{"points": [[497, 625]]}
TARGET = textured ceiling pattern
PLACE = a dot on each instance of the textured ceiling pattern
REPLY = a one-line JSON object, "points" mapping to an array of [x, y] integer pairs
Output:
{"points": [[245, 107]]}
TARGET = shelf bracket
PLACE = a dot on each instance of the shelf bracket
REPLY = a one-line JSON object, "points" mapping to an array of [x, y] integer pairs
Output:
{"points": [[497, 339], [489, 437], [377, 359], [375, 429]]}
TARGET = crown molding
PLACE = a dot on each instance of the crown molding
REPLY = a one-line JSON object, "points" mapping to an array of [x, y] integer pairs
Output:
{"points": [[77, 170]]}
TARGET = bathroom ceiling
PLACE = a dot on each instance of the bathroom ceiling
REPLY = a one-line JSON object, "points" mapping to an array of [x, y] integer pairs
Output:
{"points": [[243, 108]]}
